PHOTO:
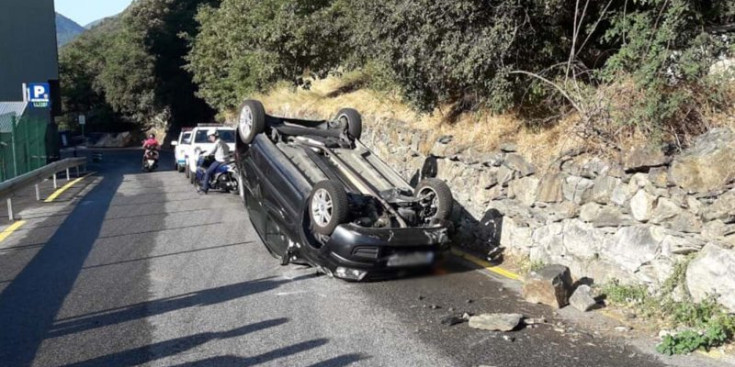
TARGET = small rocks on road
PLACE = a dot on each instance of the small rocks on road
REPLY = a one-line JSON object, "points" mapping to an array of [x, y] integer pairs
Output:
{"points": [[496, 321]]}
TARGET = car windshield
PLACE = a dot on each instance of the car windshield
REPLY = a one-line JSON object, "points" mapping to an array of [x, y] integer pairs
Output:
{"points": [[186, 138], [227, 135]]}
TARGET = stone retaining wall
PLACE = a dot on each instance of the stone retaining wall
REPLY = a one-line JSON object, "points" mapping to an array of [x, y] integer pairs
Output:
{"points": [[632, 220]]}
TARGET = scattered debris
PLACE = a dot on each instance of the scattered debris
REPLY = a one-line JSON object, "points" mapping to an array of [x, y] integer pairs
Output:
{"points": [[549, 285], [622, 329], [582, 298], [453, 320], [509, 338], [496, 321], [469, 301], [435, 307]]}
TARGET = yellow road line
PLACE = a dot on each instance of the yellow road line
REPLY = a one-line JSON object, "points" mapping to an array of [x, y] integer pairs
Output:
{"points": [[8, 231], [61, 190], [488, 266]]}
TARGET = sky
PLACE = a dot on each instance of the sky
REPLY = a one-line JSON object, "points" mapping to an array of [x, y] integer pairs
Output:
{"points": [[87, 11]]}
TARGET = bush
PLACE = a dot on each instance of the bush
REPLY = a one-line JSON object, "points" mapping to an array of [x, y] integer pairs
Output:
{"points": [[245, 46]]}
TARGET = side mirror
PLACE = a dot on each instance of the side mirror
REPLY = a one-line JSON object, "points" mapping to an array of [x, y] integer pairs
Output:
{"points": [[174, 143]]}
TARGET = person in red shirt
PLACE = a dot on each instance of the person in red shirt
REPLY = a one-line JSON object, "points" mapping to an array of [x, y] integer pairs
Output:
{"points": [[150, 146]]}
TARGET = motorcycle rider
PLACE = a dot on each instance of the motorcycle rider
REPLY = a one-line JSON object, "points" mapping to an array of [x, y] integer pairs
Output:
{"points": [[150, 146], [221, 153]]}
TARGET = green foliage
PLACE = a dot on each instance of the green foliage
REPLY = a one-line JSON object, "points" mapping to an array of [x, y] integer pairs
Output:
{"points": [[704, 324], [244, 46], [664, 47], [130, 68], [625, 294]]}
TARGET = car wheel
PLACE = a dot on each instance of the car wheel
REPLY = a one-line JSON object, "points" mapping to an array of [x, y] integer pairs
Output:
{"points": [[251, 120], [328, 206], [353, 120], [435, 197]]}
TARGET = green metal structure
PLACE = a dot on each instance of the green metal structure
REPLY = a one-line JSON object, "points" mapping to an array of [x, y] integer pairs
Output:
{"points": [[22, 145]]}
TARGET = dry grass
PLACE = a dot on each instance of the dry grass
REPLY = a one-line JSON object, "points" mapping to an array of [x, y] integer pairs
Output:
{"points": [[481, 130]]}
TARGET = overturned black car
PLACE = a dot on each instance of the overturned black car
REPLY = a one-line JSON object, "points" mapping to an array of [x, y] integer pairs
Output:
{"points": [[316, 195]]}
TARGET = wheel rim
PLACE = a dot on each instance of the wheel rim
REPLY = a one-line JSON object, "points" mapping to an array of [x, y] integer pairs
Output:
{"points": [[246, 121], [321, 207], [427, 197]]}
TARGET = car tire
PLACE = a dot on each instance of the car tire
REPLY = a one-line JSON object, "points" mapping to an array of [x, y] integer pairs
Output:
{"points": [[328, 206], [353, 119], [442, 196], [251, 120]]}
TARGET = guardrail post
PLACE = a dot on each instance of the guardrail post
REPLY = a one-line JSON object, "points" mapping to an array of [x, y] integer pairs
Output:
{"points": [[55, 187], [67, 174], [38, 193], [77, 168], [10, 209]]}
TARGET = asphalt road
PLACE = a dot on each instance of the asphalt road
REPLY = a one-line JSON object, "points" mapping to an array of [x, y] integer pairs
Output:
{"points": [[135, 268]]}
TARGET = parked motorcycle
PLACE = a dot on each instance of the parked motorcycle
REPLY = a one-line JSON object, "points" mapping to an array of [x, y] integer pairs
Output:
{"points": [[224, 178], [150, 158]]}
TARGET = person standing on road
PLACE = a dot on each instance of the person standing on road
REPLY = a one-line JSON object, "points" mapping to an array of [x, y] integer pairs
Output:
{"points": [[221, 152]]}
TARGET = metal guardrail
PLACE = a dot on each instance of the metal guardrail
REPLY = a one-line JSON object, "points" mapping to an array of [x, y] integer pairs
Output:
{"points": [[10, 187]]}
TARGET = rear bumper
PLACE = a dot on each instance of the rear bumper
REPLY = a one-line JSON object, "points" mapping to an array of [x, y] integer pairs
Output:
{"points": [[379, 253]]}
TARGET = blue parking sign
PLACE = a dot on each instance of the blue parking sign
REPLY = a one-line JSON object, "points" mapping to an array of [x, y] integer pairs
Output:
{"points": [[39, 94]]}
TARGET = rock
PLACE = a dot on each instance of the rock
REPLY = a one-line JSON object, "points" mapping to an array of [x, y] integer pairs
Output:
{"points": [[632, 247], [686, 222], [665, 210], [713, 272], [508, 148], [593, 168], [445, 139], [714, 230], [641, 206], [641, 181], [707, 165], [549, 285], [524, 190], [659, 177], [680, 245], [562, 211], [513, 235], [488, 178], [496, 321], [603, 189], [723, 208], [622, 193], [602, 216], [643, 158], [575, 188], [581, 240], [582, 298], [517, 163], [724, 67], [589, 212], [550, 188], [505, 175], [694, 205], [492, 159]]}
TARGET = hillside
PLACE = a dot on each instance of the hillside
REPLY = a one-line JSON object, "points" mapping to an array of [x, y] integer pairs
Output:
{"points": [[66, 30]]}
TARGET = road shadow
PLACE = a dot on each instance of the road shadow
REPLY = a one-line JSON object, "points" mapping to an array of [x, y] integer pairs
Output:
{"points": [[31, 301], [205, 297], [156, 351], [230, 360]]}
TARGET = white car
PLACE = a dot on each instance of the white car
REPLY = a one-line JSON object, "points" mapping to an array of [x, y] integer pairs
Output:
{"points": [[200, 143], [180, 147]]}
